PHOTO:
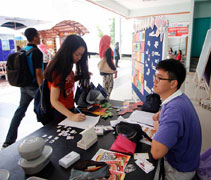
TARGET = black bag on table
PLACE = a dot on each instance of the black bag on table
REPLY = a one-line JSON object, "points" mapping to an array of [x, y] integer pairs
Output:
{"points": [[81, 171], [93, 95], [152, 103], [133, 132]]}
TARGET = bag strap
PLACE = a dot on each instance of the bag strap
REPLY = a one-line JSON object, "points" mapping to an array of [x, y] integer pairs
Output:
{"points": [[162, 170], [30, 50], [30, 63], [146, 136]]}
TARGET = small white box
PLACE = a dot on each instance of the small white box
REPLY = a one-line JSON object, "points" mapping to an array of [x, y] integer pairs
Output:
{"points": [[99, 130], [89, 137], [69, 159]]}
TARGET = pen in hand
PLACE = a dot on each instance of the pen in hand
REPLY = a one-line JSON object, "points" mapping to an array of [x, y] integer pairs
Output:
{"points": [[78, 110]]}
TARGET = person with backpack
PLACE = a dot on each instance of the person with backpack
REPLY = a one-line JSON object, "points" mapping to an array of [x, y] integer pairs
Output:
{"points": [[178, 138], [61, 77], [27, 92]]}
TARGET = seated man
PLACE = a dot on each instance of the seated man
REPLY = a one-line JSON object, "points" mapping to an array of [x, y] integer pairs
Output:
{"points": [[178, 137]]}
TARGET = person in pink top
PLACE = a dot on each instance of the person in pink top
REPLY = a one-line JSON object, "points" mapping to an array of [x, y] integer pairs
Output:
{"points": [[44, 50]]}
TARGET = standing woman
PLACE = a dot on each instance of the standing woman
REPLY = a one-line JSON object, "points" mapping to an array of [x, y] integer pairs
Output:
{"points": [[106, 52], [116, 53], [61, 77]]}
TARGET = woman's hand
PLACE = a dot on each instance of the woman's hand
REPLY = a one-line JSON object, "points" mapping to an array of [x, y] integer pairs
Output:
{"points": [[77, 117], [115, 74]]}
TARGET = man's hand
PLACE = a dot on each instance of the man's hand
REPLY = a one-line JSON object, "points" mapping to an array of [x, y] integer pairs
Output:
{"points": [[156, 125], [156, 117]]}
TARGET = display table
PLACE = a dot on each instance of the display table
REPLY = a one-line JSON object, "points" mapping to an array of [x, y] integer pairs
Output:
{"points": [[9, 157]]}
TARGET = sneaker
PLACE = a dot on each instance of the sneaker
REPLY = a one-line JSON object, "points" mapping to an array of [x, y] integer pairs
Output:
{"points": [[5, 145]]}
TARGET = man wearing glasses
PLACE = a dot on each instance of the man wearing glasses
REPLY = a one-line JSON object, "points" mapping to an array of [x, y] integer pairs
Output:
{"points": [[178, 137]]}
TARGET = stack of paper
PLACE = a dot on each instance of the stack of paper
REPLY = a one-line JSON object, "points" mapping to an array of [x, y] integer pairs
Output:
{"points": [[90, 121]]}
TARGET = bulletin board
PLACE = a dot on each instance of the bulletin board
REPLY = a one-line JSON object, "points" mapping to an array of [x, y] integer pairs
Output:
{"points": [[7, 46], [147, 52]]}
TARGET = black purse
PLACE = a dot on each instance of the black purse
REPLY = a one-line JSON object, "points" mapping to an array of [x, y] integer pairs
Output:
{"points": [[88, 169], [133, 132]]}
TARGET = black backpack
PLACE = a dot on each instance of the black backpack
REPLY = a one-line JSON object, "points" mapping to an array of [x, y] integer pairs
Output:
{"points": [[42, 104], [152, 103], [20, 71]]}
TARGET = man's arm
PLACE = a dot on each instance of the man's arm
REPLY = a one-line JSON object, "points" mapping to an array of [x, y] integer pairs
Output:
{"points": [[39, 76], [158, 150]]}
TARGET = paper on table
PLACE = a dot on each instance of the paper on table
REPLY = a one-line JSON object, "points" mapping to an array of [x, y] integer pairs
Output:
{"points": [[90, 121], [141, 156], [115, 122], [141, 117]]}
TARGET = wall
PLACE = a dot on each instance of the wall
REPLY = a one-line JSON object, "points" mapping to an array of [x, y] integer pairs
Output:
{"points": [[200, 27], [202, 9], [201, 23]]}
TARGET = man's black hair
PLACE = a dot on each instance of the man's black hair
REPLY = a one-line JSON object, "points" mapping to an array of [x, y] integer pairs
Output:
{"points": [[30, 33], [175, 69]]}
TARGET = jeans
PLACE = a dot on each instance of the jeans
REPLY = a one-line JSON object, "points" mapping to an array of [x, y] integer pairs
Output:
{"points": [[27, 95]]}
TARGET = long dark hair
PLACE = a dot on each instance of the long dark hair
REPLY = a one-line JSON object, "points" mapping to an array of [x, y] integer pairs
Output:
{"points": [[62, 63]]}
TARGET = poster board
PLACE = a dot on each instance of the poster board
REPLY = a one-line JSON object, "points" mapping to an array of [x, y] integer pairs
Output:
{"points": [[204, 57], [7, 46], [147, 52]]}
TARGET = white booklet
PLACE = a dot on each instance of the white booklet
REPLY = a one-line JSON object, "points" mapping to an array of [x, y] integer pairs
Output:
{"points": [[141, 117]]}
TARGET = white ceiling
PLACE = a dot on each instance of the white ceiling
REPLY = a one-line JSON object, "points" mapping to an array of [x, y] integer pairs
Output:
{"points": [[140, 8]]}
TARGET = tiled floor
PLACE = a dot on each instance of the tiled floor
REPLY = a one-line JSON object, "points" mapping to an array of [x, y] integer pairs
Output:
{"points": [[9, 99]]}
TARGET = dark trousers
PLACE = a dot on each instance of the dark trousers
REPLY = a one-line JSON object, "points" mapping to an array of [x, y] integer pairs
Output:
{"points": [[27, 95]]}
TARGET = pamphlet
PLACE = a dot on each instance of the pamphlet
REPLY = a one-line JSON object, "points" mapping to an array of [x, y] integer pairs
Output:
{"points": [[117, 162]]}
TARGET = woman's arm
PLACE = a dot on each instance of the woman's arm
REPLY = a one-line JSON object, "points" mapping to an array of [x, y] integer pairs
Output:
{"points": [[54, 98]]}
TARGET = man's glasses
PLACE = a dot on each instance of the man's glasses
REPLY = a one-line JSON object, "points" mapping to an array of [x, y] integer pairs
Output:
{"points": [[158, 79]]}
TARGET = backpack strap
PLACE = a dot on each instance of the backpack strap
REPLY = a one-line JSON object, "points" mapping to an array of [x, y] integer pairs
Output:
{"points": [[162, 170], [29, 50]]}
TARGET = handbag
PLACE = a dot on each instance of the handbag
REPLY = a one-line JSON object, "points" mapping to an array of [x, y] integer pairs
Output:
{"points": [[204, 170], [88, 169], [104, 67], [94, 95], [133, 132]]}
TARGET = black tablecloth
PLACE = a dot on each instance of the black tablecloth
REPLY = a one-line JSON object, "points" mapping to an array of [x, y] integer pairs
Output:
{"points": [[9, 157]]}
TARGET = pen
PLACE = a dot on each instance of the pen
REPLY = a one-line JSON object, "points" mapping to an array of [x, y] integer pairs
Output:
{"points": [[78, 110]]}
